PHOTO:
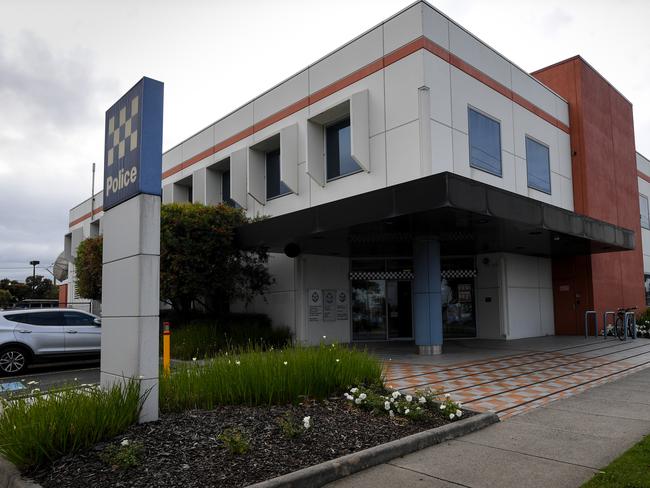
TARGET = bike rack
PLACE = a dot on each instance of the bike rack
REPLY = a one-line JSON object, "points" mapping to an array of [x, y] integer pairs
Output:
{"points": [[587, 314], [625, 322], [613, 314]]}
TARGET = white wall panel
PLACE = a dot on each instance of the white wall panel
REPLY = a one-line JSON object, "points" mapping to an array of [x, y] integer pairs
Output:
{"points": [[403, 28], [533, 91], [287, 93], [231, 125], [256, 175], [315, 166], [403, 153], [403, 79], [437, 78], [198, 143], [441, 148], [347, 59], [360, 129], [238, 177], [359, 182], [435, 26], [289, 156], [474, 52], [171, 158], [198, 186]]}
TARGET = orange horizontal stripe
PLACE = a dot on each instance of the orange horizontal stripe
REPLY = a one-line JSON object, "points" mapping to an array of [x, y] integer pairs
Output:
{"points": [[390, 58], [643, 176], [85, 216]]}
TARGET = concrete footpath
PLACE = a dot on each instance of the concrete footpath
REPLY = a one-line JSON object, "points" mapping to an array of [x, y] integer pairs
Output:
{"points": [[561, 444]]}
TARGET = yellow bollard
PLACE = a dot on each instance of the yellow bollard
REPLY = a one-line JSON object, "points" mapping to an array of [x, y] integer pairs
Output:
{"points": [[166, 348]]}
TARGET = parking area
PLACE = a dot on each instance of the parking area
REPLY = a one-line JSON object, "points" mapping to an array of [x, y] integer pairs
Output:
{"points": [[516, 376], [47, 376]]}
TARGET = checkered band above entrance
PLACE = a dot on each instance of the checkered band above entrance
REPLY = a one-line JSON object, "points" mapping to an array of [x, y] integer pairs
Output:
{"points": [[122, 131]]}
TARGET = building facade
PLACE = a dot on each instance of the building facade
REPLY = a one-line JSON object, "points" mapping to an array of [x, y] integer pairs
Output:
{"points": [[420, 186]]}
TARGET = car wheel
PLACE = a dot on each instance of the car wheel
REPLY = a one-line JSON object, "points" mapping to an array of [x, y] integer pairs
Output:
{"points": [[13, 361]]}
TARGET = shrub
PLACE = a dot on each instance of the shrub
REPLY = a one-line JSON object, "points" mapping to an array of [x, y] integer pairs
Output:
{"points": [[235, 440], [205, 337], [88, 268], [256, 377], [36, 430], [643, 324], [124, 456]]}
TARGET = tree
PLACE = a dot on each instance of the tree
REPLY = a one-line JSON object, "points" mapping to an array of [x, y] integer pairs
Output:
{"points": [[19, 291], [200, 261], [88, 268], [41, 287], [6, 299]]}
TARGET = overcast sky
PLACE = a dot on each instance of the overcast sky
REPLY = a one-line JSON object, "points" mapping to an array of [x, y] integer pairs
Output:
{"points": [[64, 62]]}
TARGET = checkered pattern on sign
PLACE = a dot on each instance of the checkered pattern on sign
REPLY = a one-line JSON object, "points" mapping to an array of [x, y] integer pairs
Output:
{"points": [[458, 273], [381, 275], [122, 131]]}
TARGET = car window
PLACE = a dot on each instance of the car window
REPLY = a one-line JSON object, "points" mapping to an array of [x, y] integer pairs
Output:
{"points": [[44, 318], [17, 317], [78, 318]]}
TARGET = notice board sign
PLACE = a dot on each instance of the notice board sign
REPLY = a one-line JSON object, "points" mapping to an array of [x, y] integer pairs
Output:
{"points": [[329, 305], [342, 304], [314, 305]]}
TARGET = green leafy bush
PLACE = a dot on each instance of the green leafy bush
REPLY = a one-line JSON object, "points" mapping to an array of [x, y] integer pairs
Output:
{"points": [[124, 456], [256, 377], [36, 430], [235, 440]]}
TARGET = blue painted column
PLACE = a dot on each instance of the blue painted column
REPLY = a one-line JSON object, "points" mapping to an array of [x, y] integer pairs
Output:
{"points": [[426, 296]]}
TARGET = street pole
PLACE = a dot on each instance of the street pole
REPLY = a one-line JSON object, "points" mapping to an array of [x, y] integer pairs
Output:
{"points": [[34, 264]]}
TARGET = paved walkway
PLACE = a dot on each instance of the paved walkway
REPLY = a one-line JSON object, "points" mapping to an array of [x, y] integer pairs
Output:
{"points": [[560, 443]]}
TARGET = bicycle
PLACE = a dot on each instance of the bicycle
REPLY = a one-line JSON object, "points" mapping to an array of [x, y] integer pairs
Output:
{"points": [[619, 323]]}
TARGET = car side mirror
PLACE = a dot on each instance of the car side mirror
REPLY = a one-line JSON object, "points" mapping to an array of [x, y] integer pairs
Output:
{"points": [[97, 322]]}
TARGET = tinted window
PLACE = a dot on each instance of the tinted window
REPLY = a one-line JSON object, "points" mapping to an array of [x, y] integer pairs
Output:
{"points": [[17, 317], [225, 189], [484, 143], [645, 213], [539, 166], [274, 186], [78, 318], [44, 318], [339, 150]]}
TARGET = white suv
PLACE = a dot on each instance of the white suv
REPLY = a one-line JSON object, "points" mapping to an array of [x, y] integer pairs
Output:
{"points": [[31, 335]]}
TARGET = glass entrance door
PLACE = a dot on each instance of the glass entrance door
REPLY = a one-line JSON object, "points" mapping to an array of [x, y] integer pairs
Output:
{"points": [[381, 310]]}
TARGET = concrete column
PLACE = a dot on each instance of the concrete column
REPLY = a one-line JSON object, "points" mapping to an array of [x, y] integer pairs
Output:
{"points": [[130, 297], [426, 296]]}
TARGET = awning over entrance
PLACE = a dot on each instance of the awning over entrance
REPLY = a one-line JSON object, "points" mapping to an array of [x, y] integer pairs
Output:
{"points": [[465, 215]]}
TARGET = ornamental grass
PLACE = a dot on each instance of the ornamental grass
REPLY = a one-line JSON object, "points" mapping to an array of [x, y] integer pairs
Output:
{"points": [[277, 376], [38, 429]]}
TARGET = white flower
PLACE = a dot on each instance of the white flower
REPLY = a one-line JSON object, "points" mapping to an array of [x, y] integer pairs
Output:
{"points": [[459, 404], [447, 395], [406, 411], [324, 337], [349, 397], [422, 400], [237, 363], [363, 396], [391, 413], [33, 383], [193, 359], [285, 363], [396, 394], [337, 360], [392, 400], [306, 422], [409, 398], [442, 407], [387, 405], [125, 442], [451, 416], [358, 401], [354, 390], [459, 413]]}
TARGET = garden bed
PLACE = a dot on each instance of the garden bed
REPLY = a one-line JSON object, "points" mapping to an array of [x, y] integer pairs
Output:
{"points": [[187, 449]]}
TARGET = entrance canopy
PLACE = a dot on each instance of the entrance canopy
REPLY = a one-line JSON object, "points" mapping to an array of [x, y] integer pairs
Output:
{"points": [[465, 215]]}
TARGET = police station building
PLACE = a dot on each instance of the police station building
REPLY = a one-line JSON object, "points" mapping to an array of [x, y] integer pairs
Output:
{"points": [[420, 186]]}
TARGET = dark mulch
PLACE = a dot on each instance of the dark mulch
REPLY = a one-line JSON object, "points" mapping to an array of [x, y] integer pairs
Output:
{"points": [[182, 450]]}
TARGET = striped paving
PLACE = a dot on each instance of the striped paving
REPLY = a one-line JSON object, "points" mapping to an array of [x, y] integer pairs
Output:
{"points": [[517, 383]]}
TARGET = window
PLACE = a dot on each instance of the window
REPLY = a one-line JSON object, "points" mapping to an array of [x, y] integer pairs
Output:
{"points": [[645, 213], [274, 186], [37, 318], [339, 150], [539, 166], [484, 143], [78, 318], [225, 189]]}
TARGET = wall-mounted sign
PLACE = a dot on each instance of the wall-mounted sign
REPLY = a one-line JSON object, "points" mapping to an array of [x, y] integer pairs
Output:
{"points": [[329, 305], [314, 305], [342, 305], [133, 144]]}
